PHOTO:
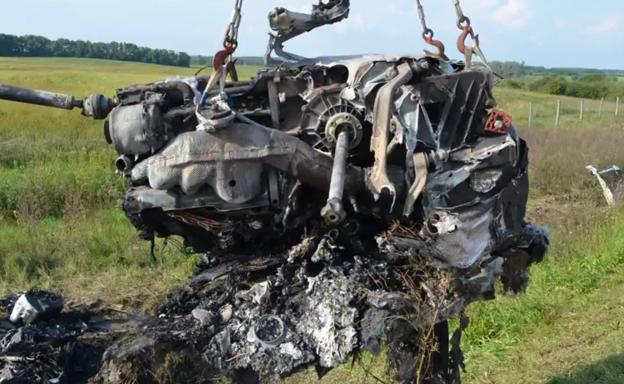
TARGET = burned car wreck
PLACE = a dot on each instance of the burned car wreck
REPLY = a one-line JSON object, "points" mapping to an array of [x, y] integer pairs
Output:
{"points": [[341, 205]]}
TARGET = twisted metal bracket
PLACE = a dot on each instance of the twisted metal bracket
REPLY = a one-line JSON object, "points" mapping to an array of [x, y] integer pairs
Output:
{"points": [[288, 25]]}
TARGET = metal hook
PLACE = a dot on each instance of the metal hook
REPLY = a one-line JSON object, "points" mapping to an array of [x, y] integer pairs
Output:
{"points": [[475, 49], [436, 43], [221, 57], [461, 41]]}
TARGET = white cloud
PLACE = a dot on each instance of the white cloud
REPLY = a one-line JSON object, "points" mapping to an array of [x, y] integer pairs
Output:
{"points": [[607, 26], [505, 13], [515, 13], [355, 22], [486, 3], [559, 23]]}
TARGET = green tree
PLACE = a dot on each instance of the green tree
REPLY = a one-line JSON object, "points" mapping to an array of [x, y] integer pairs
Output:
{"points": [[41, 47]]}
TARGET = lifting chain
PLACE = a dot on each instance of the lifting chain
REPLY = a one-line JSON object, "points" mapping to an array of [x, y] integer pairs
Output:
{"points": [[462, 20], [463, 23], [220, 114], [231, 33], [428, 34], [223, 63], [223, 58]]}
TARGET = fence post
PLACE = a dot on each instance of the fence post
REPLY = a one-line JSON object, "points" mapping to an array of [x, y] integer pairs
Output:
{"points": [[558, 115], [601, 107], [582, 108], [617, 106], [530, 114]]}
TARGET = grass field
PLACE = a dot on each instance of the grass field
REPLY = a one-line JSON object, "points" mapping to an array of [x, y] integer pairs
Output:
{"points": [[60, 222], [61, 227]]}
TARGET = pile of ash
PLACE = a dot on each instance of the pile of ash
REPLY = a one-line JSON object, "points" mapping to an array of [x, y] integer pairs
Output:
{"points": [[40, 343], [319, 303], [253, 318]]}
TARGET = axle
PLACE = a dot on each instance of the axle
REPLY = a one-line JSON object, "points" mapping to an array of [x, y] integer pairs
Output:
{"points": [[96, 105]]}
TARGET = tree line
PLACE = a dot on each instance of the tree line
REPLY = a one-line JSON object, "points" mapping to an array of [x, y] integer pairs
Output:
{"points": [[583, 86], [513, 69], [575, 82], [39, 46]]}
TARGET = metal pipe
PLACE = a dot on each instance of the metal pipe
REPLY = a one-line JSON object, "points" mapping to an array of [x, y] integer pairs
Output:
{"points": [[333, 212], [336, 188], [38, 97], [124, 164]]}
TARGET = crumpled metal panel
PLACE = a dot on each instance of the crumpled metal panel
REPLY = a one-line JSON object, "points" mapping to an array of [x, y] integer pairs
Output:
{"points": [[231, 161]]}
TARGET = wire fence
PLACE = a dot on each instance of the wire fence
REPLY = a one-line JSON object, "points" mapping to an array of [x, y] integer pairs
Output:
{"points": [[569, 112]]}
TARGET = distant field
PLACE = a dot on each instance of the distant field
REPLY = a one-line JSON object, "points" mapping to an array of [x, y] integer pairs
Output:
{"points": [[61, 227], [517, 102]]}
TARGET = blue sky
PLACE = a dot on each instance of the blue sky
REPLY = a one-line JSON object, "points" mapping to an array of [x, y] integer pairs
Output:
{"points": [[577, 33]]}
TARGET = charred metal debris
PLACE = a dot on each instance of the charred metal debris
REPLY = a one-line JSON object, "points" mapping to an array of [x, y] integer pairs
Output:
{"points": [[341, 205], [45, 340]]}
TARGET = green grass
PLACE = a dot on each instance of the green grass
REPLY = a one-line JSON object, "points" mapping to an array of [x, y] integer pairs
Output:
{"points": [[607, 371], [563, 305], [90, 255], [61, 227], [60, 218], [516, 102]]}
